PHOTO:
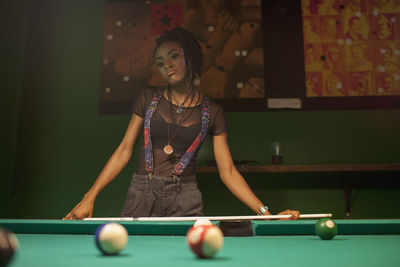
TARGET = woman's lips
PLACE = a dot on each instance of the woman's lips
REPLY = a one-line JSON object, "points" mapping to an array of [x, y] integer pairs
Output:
{"points": [[171, 72]]}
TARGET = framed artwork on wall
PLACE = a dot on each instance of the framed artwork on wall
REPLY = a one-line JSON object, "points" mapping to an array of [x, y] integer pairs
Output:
{"points": [[229, 32], [261, 55], [350, 57]]}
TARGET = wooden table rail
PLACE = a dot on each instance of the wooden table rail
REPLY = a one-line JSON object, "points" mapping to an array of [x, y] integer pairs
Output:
{"points": [[306, 168], [311, 168]]}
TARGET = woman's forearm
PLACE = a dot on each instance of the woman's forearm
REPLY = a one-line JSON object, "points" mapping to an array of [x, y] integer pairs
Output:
{"points": [[239, 187], [114, 166]]}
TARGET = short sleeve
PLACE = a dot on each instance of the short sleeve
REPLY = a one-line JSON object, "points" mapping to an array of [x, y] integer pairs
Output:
{"points": [[142, 102], [218, 122]]}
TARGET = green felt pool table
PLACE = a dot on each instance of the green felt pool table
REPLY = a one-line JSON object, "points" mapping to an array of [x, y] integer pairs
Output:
{"points": [[275, 243]]}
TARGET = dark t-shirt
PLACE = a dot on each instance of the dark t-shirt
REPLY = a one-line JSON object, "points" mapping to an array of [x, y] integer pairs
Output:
{"points": [[183, 129]]}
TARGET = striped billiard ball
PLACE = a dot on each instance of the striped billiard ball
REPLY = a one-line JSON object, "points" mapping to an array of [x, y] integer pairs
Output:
{"points": [[205, 240]]}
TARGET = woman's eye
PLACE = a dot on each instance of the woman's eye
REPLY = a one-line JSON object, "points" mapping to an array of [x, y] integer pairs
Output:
{"points": [[160, 64], [175, 56]]}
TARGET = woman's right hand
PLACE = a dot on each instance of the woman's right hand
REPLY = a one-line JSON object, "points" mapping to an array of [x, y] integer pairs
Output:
{"points": [[226, 21], [117, 162], [84, 209]]}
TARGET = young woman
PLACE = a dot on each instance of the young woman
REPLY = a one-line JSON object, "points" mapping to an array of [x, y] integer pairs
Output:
{"points": [[174, 120]]}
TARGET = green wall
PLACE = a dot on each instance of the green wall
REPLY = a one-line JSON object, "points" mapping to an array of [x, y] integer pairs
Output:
{"points": [[14, 24], [61, 143]]}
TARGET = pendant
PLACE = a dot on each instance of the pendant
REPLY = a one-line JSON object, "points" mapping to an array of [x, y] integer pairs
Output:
{"points": [[179, 110], [168, 150]]}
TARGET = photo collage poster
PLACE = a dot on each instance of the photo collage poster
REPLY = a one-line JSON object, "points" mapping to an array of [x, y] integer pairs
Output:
{"points": [[351, 47]]}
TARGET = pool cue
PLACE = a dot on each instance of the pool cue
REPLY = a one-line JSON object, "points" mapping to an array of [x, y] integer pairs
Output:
{"points": [[211, 218]]}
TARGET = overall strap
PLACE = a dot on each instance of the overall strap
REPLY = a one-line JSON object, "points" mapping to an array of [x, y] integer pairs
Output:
{"points": [[148, 147], [185, 159]]}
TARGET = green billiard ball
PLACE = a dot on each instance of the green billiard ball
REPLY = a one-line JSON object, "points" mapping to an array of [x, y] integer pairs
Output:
{"points": [[326, 228]]}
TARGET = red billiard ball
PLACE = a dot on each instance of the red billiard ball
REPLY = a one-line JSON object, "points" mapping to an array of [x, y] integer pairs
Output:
{"points": [[205, 240], [326, 228], [202, 221], [8, 246]]}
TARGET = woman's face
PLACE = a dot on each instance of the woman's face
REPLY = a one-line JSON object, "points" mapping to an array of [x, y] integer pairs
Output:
{"points": [[309, 55], [355, 2], [356, 26], [212, 7], [330, 28], [333, 54], [331, 84], [357, 53], [388, 83], [362, 85], [305, 4], [170, 61], [307, 25], [383, 24], [387, 54]]}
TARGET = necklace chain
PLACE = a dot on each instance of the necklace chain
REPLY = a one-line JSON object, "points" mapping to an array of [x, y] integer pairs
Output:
{"points": [[180, 106], [168, 149]]}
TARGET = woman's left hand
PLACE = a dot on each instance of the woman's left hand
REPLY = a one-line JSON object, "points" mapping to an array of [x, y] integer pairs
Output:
{"points": [[295, 214]]}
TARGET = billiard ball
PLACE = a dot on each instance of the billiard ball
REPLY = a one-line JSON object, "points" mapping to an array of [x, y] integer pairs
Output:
{"points": [[8, 246], [205, 240], [202, 221], [326, 228], [111, 238]]}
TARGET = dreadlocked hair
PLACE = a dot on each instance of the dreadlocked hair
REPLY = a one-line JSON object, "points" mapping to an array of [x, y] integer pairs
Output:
{"points": [[191, 49]]}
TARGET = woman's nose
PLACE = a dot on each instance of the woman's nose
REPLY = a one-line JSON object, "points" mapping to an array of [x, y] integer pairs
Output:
{"points": [[168, 63]]}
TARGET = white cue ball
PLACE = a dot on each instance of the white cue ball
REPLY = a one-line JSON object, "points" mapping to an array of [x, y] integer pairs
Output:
{"points": [[202, 221], [111, 238]]}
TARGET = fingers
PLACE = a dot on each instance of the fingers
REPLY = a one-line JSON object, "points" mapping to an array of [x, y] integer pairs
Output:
{"points": [[232, 24], [285, 213], [82, 210], [294, 215], [67, 217], [223, 14], [227, 21], [70, 216], [75, 216], [235, 26]]}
